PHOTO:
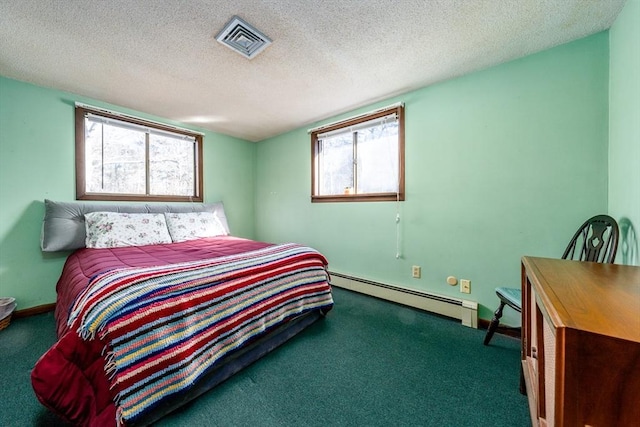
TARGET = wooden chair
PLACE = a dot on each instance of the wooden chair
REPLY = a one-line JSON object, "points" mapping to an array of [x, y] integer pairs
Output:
{"points": [[596, 241]]}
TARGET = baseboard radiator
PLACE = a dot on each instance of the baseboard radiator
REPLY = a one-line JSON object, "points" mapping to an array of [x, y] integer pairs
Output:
{"points": [[464, 310]]}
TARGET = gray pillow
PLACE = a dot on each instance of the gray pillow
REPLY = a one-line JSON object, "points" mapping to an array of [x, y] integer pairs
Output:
{"points": [[63, 227]]}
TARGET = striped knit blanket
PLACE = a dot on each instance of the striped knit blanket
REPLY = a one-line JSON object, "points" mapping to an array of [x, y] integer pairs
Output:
{"points": [[166, 326]]}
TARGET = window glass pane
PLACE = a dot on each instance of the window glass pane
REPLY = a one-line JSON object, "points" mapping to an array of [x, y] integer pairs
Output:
{"points": [[359, 159], [377, 153], [171, 166], [336, 164], [120, 157], [114, 159]]}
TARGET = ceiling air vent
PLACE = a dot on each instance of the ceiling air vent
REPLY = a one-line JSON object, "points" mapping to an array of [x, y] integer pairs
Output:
{"points": [[243, 38]]}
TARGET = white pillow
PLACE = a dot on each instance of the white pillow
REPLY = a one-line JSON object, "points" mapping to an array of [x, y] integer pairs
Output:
{"points": [[113, 229], [193, 225]]}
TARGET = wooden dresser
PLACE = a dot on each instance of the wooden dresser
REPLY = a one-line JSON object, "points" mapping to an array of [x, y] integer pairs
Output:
{"points": [[581, 342]]}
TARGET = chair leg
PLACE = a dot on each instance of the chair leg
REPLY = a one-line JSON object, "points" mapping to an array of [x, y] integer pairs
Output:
{"points": [[494, 323]]}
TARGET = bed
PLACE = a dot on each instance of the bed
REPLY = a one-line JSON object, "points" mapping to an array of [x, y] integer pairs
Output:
{"points": [[146, 322]]}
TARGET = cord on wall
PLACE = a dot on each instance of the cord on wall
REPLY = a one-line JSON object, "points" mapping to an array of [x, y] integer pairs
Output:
{"points": [[398, 255]]}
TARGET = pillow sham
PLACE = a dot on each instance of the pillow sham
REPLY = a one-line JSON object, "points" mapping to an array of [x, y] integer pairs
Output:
{"points": [[194, 225], [64, 228], [114, 229]]}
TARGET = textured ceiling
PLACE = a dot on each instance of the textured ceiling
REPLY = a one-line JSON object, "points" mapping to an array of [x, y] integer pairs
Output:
{"points": [[327, 57]]}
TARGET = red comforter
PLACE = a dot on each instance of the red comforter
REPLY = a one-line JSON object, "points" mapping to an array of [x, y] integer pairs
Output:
{"points": [[80, 393], [86, 263]]}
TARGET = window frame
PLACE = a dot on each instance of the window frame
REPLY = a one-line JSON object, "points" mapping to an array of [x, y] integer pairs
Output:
{"points": [[81, 184], [367, 197]]}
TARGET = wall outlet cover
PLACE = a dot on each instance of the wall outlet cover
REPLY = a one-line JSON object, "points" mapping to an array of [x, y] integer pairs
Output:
{"points": [[465, 286], [416, 271]]}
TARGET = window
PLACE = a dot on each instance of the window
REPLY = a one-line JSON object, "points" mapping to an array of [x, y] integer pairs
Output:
{"points": [[359, 159], [121, 157]]}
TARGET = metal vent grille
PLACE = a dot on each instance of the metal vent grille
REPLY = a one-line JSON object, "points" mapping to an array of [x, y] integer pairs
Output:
{"points": [[243, 38]]}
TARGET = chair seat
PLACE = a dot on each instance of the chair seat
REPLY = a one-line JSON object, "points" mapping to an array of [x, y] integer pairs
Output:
{"points": [[511, 296]]}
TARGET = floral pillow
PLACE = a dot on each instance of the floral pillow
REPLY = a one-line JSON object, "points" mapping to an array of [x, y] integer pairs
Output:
{"points": [[193, 225], [113, 229]]}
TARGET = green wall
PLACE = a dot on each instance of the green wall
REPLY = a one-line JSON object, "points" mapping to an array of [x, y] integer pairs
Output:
{"points": [[624, 130], [37, 162], [501, 163]]}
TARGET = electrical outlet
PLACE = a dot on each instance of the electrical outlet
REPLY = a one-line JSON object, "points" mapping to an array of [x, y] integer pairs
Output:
{"points": [[465, 286], [416, 271]]}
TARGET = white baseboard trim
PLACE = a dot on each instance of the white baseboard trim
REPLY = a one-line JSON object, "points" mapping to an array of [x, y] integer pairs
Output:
{"points": [[464, 310]]}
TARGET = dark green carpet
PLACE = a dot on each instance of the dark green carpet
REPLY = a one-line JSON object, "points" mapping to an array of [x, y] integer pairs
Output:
{"points": [[369, 363]]}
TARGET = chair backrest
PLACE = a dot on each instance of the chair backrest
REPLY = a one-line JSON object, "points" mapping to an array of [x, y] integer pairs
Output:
{"points": [[596, 239]]}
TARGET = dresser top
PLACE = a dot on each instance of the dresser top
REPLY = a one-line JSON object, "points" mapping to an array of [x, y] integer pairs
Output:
{"points": [[595, 297]]}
